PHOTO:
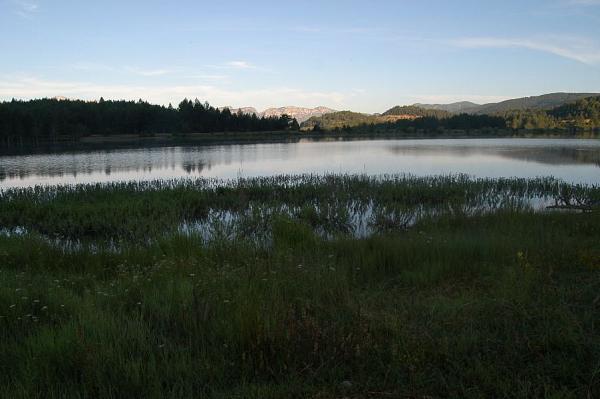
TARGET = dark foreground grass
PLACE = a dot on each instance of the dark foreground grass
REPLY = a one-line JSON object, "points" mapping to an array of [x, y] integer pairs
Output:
{"points": [[490, 304]]}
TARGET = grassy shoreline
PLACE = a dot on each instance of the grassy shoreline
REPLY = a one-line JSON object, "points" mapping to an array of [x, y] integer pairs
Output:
{"points": [[483, 296]]}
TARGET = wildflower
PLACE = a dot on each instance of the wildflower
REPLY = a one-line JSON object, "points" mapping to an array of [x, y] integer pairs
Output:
{"points": [[12, 306], [44, 307], [36, 301], [192, 274]]}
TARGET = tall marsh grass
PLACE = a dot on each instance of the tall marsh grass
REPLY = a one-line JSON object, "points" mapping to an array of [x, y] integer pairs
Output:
{"points": [[482, 295]]}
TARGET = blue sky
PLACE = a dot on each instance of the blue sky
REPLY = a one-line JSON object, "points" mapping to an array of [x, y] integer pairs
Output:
{"points": [[359, 55]]}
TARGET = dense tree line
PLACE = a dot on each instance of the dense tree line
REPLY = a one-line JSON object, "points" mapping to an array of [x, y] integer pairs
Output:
{"points": [[49, 119], [455, 122], [417, 111], [583, 114], [529, 119], [339, 120], [354, 121]]}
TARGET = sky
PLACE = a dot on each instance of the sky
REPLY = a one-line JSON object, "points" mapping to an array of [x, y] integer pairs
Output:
{"points": [[364, 56]]}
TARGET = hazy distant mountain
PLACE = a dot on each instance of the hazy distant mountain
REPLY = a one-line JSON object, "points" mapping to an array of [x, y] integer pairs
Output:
{"points": [[301, 114], [244, 110], [455, 108], [543, 102]]}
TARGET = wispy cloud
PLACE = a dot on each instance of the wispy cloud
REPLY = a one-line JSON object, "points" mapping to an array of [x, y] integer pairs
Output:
{"points": [[577, 49], [26, 87], [341, 31], [97, 67], [240, 65], [92, 66], [148, 72], [25, 9], [194, 74]]}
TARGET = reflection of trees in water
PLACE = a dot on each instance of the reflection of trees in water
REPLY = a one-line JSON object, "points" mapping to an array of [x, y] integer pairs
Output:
{"points": [[189, 160], [195, 167], [544, 155], [58, 168]]}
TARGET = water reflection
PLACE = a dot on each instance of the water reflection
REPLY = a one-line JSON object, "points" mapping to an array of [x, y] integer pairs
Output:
{"points": [[572, 160], [551, 155]]}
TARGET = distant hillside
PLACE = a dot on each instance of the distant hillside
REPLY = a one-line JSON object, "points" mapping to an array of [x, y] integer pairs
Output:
{"points": [[465, 107], [411, 111], [339, 120], [575, 116], [344, 119], [299, 113], [585, 109], [544, 102]]}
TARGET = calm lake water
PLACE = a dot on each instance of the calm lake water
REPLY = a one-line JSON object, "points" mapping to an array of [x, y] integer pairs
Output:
{"points": [[575, 161]]}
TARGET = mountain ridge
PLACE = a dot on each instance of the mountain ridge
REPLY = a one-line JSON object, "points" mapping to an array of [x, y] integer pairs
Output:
{"points": [[539, 102], [301, 114]]}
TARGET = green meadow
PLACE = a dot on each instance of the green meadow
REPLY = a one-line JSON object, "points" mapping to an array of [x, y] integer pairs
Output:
{"points": [[301, 286]]}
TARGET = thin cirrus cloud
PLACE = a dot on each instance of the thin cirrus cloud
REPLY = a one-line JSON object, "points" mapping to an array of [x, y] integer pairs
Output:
{"points": [[28, 87], [96, 67], [580, 50], [181, 72]]}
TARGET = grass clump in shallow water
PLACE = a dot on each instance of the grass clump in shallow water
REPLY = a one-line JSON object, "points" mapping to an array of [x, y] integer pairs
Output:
{"points": [[462, 303]]}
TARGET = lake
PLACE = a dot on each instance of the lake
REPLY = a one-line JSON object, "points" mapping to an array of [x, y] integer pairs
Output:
{"points": [[572, 160]]}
